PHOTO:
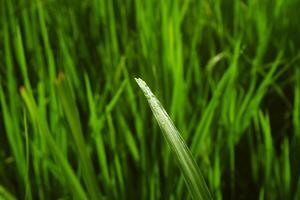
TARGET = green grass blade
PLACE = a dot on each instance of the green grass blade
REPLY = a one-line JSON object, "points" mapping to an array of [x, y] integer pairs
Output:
{"points": [[42, 124], [72, 115], [96, 126], [5, 195], [187, 164], [27, 175], [268, 144]]}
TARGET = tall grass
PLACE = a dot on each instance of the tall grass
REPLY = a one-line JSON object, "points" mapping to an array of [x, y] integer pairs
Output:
{"points": [[227, 72]]}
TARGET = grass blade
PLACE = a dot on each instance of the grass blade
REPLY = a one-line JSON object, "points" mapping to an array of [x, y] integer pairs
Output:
{"points": [[43, 126], [4, 194], [187, 164], [72, 116]]}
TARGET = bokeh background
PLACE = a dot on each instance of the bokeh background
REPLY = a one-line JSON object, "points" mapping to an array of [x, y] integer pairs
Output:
{"points": [[74, 124]]}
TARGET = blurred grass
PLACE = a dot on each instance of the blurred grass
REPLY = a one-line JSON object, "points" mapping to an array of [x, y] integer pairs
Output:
{"points": [[227, 72]]}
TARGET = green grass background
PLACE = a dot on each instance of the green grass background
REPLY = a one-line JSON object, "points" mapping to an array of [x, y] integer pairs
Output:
{"points": [[74, 124]]}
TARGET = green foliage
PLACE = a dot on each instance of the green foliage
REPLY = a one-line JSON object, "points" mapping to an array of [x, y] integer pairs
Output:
{"points": [[227, 72]]}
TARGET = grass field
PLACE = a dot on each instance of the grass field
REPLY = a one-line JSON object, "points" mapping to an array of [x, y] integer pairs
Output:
{"points": [[75, 125]]}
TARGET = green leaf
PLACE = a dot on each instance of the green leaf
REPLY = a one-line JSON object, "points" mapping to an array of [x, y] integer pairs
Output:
{"points": [[187, 164], [68, 103]]}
